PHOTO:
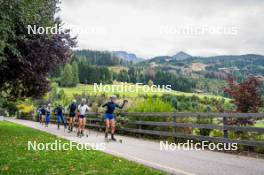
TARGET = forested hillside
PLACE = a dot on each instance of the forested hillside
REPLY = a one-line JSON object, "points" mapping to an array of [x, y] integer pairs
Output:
{"points": [[103, 58], [209, 72], [216, 67], [182, 71]]}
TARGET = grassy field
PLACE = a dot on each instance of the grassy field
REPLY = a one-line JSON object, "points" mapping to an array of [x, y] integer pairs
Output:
{"points": [[260, 124], [89, 89], [117, 69], [15, 158]]}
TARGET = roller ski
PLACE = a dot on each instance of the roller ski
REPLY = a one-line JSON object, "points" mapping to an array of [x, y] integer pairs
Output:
{"points": [[81, 134], [112, 139]]}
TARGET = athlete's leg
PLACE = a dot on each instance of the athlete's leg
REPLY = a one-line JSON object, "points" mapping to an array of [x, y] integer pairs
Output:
{"points": [[112, 124], [107, 127], [83, 125], [42, 119], [63, 121], [47, 119], [72, 120], [58, 120], [70, 124], [75, 122], [39, 118], [80, 126]]}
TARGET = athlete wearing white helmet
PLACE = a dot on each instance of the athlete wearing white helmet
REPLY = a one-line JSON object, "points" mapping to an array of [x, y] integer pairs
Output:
{"points": [[82, 108], [109, 115]]}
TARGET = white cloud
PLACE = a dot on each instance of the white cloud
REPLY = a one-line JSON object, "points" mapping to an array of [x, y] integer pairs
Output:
{"points": [[135, 26]]}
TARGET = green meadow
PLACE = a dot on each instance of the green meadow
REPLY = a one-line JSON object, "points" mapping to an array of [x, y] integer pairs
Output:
{"points": [[89, 89]]}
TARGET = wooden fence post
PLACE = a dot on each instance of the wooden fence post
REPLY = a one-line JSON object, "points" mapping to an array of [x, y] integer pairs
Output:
{"points": [[140, 135], [224, 129], [174, 128]]}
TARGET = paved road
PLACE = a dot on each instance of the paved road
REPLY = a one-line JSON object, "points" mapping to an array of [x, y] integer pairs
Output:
{"points": [[174, 162]]}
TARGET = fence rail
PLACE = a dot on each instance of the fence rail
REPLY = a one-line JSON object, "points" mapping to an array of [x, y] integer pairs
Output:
{"points": [[204, 114], [95, 121]]}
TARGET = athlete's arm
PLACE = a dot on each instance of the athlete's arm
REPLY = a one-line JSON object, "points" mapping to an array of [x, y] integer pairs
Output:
{"points": [[88, 108], [123, 104], [76, 108], [106, 104]]}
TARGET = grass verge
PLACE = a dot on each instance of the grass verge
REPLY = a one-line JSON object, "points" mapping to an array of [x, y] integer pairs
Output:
{"points": [[15, 158]]}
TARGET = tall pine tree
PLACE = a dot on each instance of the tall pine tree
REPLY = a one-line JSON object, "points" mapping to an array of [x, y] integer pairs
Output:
{"points": [[67, 76], [75, 72]]}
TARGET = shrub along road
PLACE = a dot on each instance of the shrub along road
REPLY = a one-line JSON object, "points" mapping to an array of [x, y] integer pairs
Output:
{"points": [[175, 162]]}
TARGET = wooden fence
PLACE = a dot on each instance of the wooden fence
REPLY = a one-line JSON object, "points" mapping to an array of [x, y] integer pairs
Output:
{"points": [[95, 120]]}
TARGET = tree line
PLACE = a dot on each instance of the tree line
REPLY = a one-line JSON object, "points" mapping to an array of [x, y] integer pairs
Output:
{"points": [[101, 58], [81, 71]]}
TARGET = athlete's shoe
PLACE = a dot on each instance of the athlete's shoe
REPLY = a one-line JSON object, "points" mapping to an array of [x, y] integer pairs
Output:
{"points": [[113, 138], [82, 133]]}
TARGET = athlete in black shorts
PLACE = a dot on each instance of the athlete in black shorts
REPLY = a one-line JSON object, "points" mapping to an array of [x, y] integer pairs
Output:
{"points": [[73, 108]]}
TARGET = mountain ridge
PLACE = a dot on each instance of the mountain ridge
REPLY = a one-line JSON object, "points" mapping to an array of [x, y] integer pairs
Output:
{"points": [[127, 56], [181, 56]]}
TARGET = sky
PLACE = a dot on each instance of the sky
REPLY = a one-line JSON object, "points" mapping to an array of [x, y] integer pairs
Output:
{"points": [[152, 28]]}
